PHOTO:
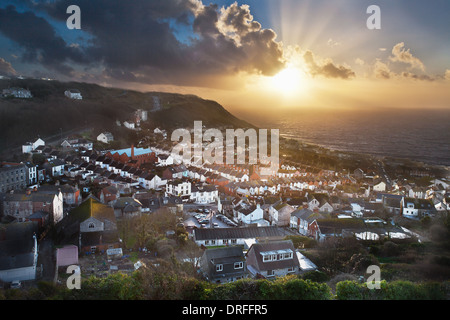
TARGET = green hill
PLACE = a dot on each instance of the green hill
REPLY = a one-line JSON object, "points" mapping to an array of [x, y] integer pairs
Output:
{"points": [[49, 112]]}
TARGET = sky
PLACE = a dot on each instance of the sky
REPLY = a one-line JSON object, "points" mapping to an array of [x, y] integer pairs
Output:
{"points": [[263, 55]]}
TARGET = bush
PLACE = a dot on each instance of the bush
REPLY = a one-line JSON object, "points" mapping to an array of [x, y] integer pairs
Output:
{"points": [[302, 241], [316, 276], [285, 288], [397, 290], [349, 290]]}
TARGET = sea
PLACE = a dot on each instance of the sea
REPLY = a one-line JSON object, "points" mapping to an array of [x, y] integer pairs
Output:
{"points": [[416, 134]]}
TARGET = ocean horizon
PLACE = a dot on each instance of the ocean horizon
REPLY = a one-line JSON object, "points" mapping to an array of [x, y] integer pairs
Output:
{"points": [[416, 134]]}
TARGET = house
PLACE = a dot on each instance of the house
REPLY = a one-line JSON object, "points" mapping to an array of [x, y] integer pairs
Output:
{"points": [[272, 259], [71, 194], [18, 251], [105, 137], [92, 226], [322, 229], [73, 94], [179, 189], [391, 202], [165, 160], [77, 143], [21, 205], [380, 187], [55, 167], [13, 176], [129, 124], [109, 195], [16, 92], [319, 201], [357, 209], [235, 236], [249, 214], [204, 193], [32, 177], [416, 208], [223, 265], [301, 219], [280, 213], [127, 207], [32, 146]]}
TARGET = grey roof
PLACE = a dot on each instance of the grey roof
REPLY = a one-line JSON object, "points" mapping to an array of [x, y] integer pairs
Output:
{"points": [[237, 233], [274, 246], [302, 213]]}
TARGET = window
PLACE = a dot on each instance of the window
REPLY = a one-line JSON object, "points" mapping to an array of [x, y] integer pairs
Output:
{"points": [[91, 225], [287, 255], [291, 269], [219, 267], [239, 265], [270, 273]]}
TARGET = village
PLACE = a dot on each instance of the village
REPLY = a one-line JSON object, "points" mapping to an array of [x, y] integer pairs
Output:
{"points": [[80, 202]]}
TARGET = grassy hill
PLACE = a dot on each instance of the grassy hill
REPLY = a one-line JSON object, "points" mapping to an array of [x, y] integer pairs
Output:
{"points": [[49, 112]]}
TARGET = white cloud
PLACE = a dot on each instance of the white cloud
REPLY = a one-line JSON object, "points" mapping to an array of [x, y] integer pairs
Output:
{"points": [[405, 56]]}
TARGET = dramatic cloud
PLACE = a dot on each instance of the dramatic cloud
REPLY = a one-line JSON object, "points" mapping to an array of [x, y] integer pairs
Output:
{"points": [[327, 69], [139, 42], [39, 40], [232, 34], [400, 54], [6, 69]]}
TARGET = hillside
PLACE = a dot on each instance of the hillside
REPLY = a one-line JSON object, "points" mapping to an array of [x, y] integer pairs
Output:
{"points": [[49, 112]]}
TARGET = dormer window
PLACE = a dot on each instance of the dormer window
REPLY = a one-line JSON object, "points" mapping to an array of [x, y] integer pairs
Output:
{"points": [[91, 225], [277, 255]]}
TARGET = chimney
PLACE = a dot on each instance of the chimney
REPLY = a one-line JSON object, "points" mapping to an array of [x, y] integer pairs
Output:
{"points": [[132, 151]]}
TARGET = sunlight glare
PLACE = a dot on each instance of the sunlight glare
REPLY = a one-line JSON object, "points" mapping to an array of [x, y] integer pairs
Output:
{"points": [[288, 81]]}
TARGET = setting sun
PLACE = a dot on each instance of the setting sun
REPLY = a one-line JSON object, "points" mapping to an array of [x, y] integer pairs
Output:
{"points": [[289, 81]]}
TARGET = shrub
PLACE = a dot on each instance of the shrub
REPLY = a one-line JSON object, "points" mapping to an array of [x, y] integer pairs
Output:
{"points": [[316, 276], [349, 290]]}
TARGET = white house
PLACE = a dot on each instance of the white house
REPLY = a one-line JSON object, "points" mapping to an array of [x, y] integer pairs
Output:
{"points": [[31, 146], [357, 210], [164, 160], [204, 194], [251, 214], [129, 125], [73, 94], [179, 189], [380, 187], [105, 137]]}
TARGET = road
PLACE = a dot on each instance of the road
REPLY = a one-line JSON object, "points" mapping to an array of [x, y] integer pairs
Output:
{"points": [[47, 259]]}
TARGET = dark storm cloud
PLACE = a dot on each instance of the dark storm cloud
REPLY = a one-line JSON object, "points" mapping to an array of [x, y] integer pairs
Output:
{"points": [[38, 39], [137, 41]]}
